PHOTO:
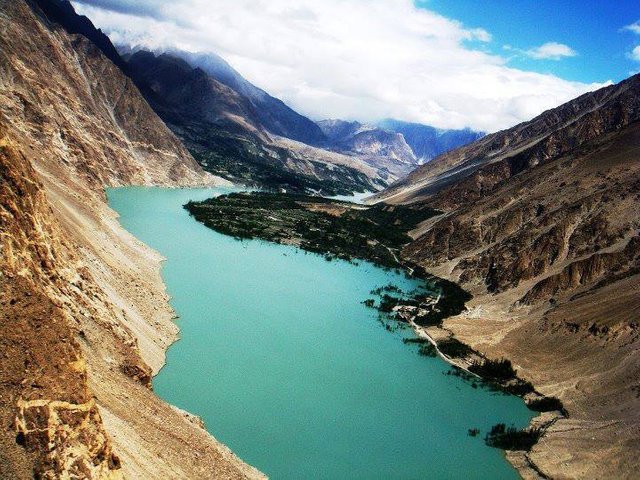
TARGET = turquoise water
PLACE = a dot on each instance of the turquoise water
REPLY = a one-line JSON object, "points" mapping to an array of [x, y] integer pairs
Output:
{"points": [[288, 369]]}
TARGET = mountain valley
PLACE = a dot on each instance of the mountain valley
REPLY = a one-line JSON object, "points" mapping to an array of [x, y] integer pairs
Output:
{"points": [[531, 234]]}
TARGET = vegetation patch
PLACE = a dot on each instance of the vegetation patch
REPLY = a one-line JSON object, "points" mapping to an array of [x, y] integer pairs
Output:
{"points": [[546, 404], [510, 438], [518, 387], [501, 376], [328, 227], [418, 340], [427, 350], [497, 370], [454, 348], [451, 301]]}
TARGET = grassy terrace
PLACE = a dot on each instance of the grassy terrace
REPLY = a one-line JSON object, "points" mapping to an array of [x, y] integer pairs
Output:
{"points": [[332, 228]]}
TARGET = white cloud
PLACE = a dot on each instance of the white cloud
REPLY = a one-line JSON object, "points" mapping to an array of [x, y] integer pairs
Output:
{"points": [[551, 51], [351, 59], [634, 27], [480, 34], [635, 54]]}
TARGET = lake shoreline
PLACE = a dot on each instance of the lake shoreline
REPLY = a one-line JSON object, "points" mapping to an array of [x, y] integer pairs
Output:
{"points": [[520, 459], [164, 212], [276, 222]]}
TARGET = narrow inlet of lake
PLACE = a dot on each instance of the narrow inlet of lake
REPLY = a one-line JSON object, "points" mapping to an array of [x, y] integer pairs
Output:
{"points": [[288, 368]]}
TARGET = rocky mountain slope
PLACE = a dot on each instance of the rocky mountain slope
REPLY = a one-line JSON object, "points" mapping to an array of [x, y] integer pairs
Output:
{"points": [[382, 149], [392, 146], [63, 13], [429, 142], [276, 117], [224, 131], [85, 318], [237, 130], [541, 223]]}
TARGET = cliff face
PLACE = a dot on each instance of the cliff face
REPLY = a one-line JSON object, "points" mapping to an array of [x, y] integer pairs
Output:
{"points": [[45, 396], [542, 224], [85, 319]]}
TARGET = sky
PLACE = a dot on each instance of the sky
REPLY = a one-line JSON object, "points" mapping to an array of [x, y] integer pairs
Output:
{"points": [[485, 65]]}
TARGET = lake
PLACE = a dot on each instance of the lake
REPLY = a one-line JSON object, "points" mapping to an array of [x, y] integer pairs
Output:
{"points": [[285, 365]]}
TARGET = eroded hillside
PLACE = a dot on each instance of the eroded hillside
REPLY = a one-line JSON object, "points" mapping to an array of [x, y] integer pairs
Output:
{"points": [[85, 319], [542, 225]]}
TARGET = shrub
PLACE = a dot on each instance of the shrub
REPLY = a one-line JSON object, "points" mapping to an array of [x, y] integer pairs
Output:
{"points": [[519, 387], [545, 404], [494, 369], [387, 302], [454, 348], [427, 350], [510, 438]]}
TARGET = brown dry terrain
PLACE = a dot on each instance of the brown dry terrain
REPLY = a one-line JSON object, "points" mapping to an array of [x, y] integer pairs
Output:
{"points": [[542, 225], [84, 316]]}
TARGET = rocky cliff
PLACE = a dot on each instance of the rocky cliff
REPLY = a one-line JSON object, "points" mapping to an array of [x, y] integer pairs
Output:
{"points": [[541, 223], [85, 319]]}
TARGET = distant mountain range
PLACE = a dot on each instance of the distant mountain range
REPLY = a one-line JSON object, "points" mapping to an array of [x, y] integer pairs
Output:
{"points": [[239, 131], [395, 146], [384, 150], [429, 142], [367, 140]]}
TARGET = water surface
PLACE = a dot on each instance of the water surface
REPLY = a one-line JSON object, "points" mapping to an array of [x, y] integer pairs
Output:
{"points": [[290, 370]]}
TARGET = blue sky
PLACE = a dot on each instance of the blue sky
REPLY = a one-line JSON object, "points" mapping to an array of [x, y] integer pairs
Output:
{"points": [[486, 65], [593, 29]]}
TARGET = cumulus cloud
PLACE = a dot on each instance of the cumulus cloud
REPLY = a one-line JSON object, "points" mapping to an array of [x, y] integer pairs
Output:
{"points": [[351, 59], [635, 53], [634, 27], [551, 51]]}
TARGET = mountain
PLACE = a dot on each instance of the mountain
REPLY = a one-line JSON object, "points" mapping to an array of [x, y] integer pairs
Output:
{"points": [[240, 132], [272, 113], [429, 142], [84, 318], [223, 130], [183, 93], [367, 140], [63, 13], [382, 149], [541, 223], [392, 146]]}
